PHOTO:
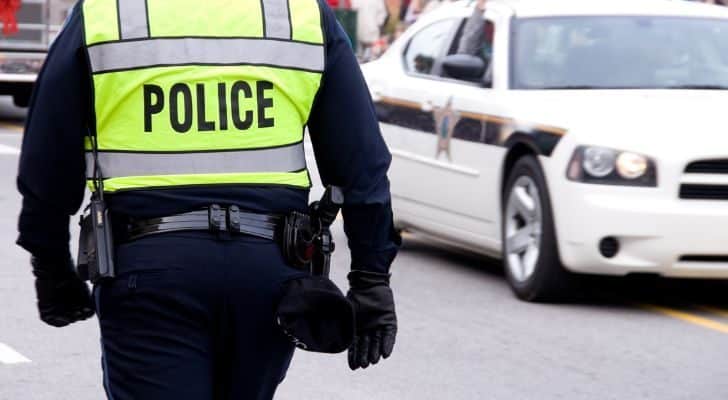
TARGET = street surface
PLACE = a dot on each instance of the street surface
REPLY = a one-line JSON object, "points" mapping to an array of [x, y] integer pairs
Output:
{"points": [[462, 334]]}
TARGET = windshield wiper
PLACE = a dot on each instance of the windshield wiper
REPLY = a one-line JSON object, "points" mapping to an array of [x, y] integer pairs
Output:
{"points": [[697, 87]]}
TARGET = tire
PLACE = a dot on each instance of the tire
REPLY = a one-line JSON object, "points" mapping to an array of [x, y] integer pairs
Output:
{"points": [[530, 250]]}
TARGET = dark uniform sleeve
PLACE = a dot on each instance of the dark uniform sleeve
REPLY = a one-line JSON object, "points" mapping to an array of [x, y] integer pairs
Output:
{"points": [[51, 175], [351, 153]]}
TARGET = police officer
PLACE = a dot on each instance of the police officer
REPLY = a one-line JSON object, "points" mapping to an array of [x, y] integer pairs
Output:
{"points": [[194, 104]]}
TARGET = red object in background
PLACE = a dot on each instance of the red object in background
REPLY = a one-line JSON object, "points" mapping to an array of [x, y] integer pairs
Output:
{"points": [[8, 10], [338, 3]]}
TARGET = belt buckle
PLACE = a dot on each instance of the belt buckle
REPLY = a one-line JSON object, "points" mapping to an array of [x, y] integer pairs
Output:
{"points": [[217, 218]]}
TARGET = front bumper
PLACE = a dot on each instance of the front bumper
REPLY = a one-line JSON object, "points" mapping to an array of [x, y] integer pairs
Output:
{"points": [[657, 232], [28, 79], [20, 67]]}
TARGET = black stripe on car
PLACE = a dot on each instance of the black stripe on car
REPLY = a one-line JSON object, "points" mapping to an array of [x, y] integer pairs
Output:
{"points": [[469, 126]]}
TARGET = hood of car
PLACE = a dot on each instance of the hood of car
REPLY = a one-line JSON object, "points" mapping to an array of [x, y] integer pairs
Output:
{"points": [[636, 120]]}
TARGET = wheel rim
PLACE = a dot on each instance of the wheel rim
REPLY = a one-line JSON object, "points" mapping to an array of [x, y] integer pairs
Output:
{"points": [[523, 223]]}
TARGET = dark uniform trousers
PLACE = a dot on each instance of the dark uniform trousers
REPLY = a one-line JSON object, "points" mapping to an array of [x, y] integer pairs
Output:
{"points": [[192, 316]]}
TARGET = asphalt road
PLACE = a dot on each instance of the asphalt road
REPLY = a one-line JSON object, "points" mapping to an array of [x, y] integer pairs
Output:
{"points": [[462, 334]]}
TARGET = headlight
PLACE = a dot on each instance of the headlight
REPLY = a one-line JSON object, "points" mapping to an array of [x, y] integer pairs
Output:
{"points": [[632, 166], [598, 162], [611, 167]]}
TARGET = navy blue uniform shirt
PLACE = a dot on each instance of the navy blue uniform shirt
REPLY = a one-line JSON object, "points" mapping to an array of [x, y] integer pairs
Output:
{"points": [[349, 148]]}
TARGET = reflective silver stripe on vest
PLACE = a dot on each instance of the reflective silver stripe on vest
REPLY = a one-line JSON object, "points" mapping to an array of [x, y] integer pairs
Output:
{"points": [[119, 56], [133, 19], [277, 19], [117, 165]]}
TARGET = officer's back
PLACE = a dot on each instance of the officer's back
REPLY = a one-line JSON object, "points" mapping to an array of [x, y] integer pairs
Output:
{"points": [[189, 118]]}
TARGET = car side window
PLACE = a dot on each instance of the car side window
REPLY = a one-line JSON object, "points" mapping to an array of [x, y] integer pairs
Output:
{"points": [[427, 47]]}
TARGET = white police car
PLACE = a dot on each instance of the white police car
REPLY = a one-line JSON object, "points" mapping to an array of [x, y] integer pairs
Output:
{"points": [[579, 136]]}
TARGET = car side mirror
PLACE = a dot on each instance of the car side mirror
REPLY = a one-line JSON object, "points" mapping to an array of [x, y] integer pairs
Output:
{"points": [[464, 67]]}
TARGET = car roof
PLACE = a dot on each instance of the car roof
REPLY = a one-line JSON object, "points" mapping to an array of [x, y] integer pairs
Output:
{"points": [[551, 8]]}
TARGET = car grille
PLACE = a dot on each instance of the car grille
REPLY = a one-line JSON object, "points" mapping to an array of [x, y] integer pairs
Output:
{"points": [[707, 167], [703, 192], [704, 258], [712, 189]]}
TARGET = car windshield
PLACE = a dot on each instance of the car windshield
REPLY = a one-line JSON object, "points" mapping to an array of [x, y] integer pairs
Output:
{"points": [[625, 52]]}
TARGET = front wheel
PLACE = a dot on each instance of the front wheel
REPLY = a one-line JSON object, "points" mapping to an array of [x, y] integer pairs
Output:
{"points": [[530, 251]]}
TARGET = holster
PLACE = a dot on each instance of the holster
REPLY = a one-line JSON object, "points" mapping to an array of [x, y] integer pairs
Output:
{"points": [[306, 239], [96, 244], [307, 245], [298, 240]]}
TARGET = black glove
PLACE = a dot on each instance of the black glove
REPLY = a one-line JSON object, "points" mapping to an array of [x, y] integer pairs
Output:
{"points": [[376, 321], [63, 298]]}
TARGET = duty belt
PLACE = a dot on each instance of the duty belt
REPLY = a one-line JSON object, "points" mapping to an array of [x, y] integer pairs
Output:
{"points": [[213, 219], [305, 238]]}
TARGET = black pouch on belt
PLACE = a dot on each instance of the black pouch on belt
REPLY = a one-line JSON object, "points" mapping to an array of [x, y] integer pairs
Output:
{"points": [[96, 244], [316, 315]]}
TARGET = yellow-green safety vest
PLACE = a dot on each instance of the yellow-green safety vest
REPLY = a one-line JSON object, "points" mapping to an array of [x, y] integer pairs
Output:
{"points": [[189, 92]]}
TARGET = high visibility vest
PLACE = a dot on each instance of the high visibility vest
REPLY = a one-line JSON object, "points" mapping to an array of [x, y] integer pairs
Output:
{"points": [[189, 93]]}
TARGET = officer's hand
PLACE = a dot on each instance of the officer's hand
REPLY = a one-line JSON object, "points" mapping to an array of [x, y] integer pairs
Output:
{"points": [[62, 297], [376, 321]]}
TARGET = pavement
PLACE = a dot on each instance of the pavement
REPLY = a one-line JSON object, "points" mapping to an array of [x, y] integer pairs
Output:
{"points": [[462, 334]]}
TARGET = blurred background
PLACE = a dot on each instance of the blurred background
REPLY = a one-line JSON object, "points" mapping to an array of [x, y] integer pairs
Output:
{"points": [[373, 24]]}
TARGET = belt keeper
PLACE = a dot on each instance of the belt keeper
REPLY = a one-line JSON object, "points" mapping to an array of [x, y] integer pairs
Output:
{"points": [[234, 218], [217, 219]]}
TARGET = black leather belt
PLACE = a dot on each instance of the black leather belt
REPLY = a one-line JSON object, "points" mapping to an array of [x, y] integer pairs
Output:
{"points": [[213, 219]]}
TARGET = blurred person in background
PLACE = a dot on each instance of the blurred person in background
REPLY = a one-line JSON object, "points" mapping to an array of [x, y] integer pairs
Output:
{"points": [[394, 10], [477, 39], [339, 3], [413, 11], [371, 16], [421, 7], [404, 9]]}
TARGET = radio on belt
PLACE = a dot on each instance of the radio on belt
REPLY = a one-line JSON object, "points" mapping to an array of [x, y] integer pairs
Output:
{"points": [[96, 244]]}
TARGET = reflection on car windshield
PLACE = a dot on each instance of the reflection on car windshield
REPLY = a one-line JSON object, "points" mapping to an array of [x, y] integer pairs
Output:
{"points": [[621, 52]]}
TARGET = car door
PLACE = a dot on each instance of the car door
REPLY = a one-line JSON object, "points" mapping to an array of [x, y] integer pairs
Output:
{"points": [[475, 141], [404, 101], [443, 172]]}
